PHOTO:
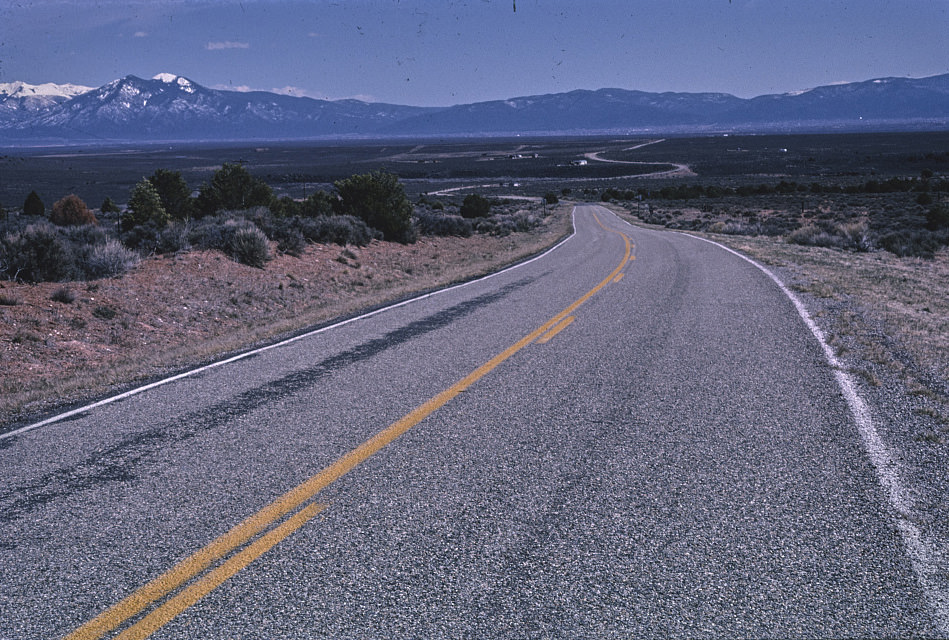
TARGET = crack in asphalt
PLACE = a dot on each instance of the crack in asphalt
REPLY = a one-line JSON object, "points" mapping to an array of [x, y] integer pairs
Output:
{"points": [[121, 462]]}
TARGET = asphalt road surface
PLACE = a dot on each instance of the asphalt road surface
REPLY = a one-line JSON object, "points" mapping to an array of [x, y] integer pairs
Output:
{"points": [[634, 435]]}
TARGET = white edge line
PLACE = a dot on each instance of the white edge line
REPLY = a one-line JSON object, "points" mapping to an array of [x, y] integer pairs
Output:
{"points": [[220, 363], [922, 556]]}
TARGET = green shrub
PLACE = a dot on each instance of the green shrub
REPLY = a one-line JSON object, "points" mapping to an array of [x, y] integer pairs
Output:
{"points": [[71, 210], [142, 238], [38, 253], [208, 233], [288, 236], [734, 228], [282, 230], [433, 224], [475, 206], [937, 218], [64, 295], [173, 238], [108, 260], [505, 224], [341, 230], [246, 244], [285, 207], [104, 312], [856, 236], [148, 239], [85, 236], [33, 205], [318, 204], [551, 198], [812, 235], [291, 242], [611, 193], [919, 244], [378, 199]]}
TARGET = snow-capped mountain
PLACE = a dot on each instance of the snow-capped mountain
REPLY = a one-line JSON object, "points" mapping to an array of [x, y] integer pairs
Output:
{"points": [[19, 99], [169, 107]]}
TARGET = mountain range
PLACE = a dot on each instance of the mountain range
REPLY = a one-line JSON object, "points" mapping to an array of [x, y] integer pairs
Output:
{"points": [[173, 108]]}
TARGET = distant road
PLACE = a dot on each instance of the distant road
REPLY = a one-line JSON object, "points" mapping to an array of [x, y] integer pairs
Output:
{"points": [[634, 435], [680, 171]]}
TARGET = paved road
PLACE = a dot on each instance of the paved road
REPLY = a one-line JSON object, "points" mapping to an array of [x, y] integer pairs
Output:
{"points": [[634, 435]]}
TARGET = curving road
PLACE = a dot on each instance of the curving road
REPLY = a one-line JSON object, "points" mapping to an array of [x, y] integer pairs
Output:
{"points": [[634, 435]]}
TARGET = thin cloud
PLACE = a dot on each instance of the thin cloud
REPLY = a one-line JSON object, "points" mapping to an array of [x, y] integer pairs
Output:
{"points": [[291, 91], [240, 88], [227, 44], [141, 34], [362, 97]]}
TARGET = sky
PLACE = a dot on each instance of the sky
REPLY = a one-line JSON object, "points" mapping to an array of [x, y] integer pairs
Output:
{"points": [[445, 52]]}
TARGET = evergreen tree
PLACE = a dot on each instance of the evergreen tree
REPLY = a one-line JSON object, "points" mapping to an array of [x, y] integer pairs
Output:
{"points": [[475, 206], [232, 187], [174, 193], [33, 205], [144, 207], [108, 206], [380, 201]]}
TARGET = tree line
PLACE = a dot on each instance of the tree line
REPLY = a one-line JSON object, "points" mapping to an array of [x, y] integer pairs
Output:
{"points": [[377, 198]]}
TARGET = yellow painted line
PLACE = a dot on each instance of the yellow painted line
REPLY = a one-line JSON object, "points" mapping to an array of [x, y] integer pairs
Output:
{"points": [[619, 276], [198, 562], [208, 583], [563, 324]]}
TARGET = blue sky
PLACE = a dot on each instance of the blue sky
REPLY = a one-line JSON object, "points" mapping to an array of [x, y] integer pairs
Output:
{"points": [[443, 52]]}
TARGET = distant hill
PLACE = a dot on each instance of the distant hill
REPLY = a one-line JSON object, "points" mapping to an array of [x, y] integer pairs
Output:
{"points": [[19, 100], [888, 103], [173, 108]]}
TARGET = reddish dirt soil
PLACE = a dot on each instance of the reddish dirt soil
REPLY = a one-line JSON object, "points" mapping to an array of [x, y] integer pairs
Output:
{"points": [[174, 311]]}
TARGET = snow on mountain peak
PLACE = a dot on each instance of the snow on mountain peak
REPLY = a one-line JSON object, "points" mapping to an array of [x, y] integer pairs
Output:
{"points": [[24, 90], [183, 83]]}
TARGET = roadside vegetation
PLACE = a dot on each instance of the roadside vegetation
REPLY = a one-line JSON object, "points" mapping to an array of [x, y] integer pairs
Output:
{"points": [[885, 239], [860, 222], [92, 299], [906, 216], [234, 213]]}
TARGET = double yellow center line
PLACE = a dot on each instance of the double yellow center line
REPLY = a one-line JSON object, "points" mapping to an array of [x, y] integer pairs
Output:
{"points": [[270, 525]]}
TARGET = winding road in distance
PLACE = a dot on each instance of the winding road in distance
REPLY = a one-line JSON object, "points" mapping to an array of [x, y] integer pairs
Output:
{"points": [[633, 435]]}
